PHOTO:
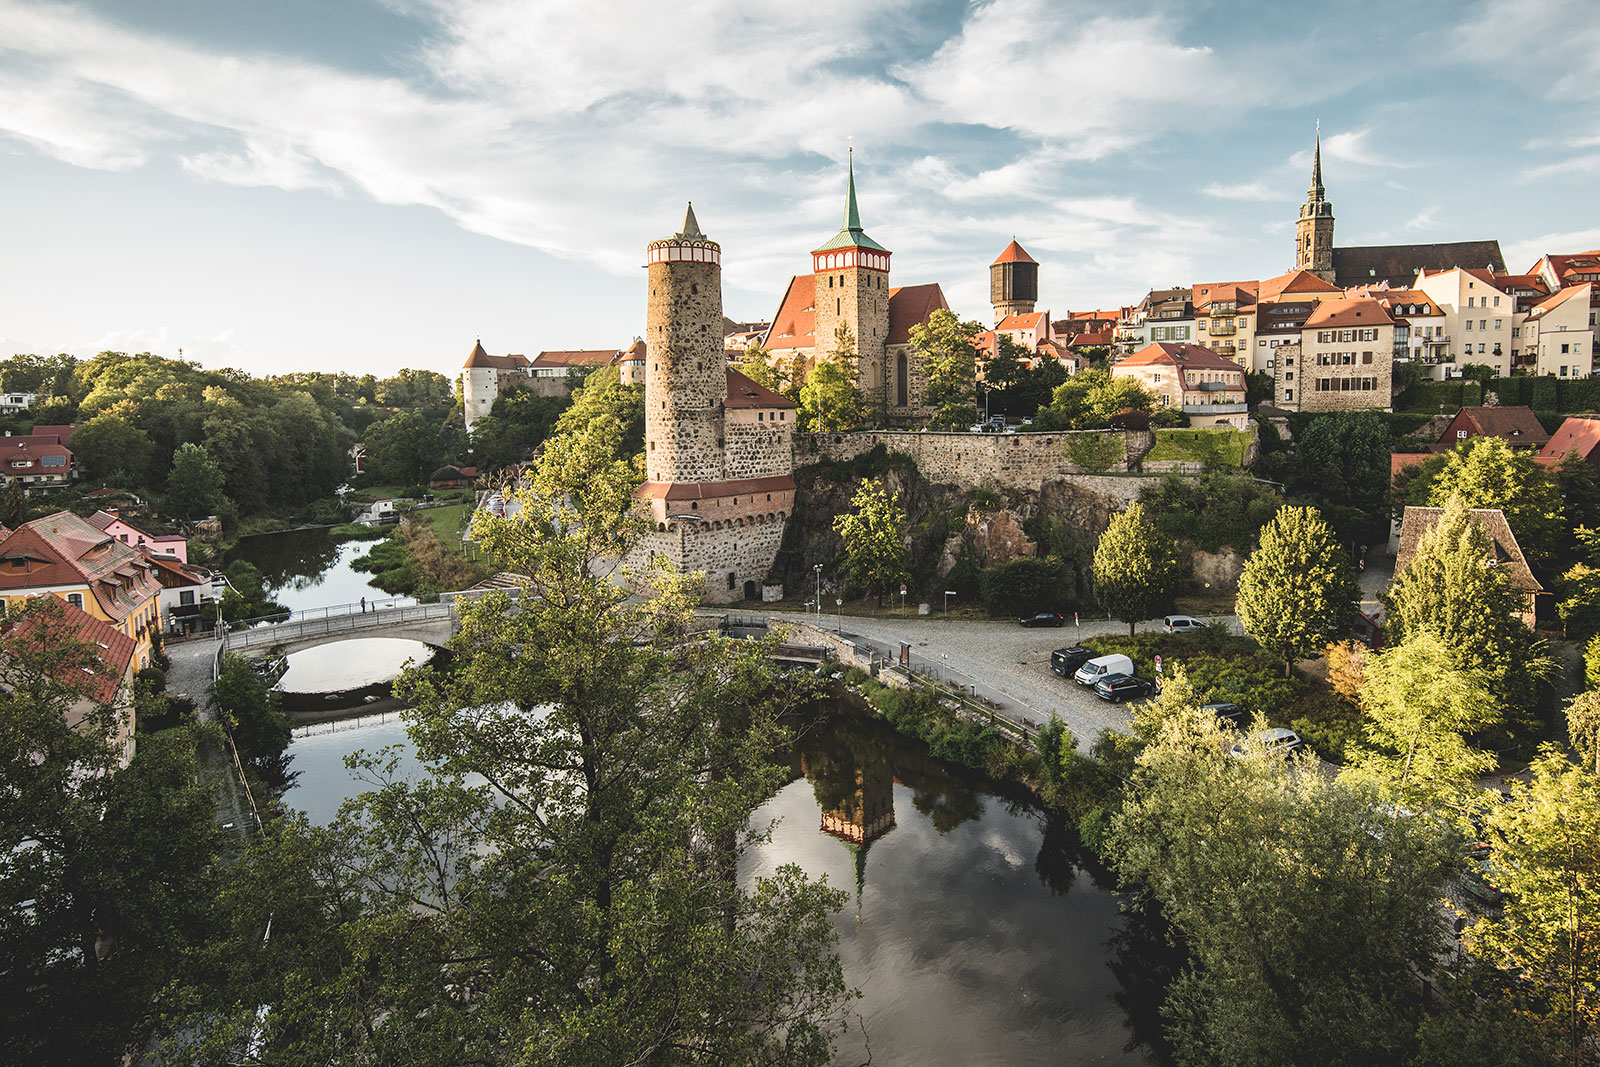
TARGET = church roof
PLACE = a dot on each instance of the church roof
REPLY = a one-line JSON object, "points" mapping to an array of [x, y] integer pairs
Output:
{"points": [[794, 326], [851, 235], [1399, 264], [1014, 253]]}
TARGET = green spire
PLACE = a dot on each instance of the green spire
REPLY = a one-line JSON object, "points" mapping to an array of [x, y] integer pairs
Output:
{"points": [[852, 217], [850, 235]]}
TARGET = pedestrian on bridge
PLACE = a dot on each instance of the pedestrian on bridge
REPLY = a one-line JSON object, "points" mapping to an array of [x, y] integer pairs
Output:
{"points": [[363, 605]]}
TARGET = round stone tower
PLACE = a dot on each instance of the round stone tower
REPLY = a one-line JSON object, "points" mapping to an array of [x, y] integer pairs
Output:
{"points": [[685, 371], [1013, 282]]}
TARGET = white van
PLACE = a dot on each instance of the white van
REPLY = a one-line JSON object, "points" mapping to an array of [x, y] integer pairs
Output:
{"points": [[1103, 666]]}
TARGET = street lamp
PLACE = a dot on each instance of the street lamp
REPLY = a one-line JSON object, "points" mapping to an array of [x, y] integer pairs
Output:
{"points": [[838, 615], [818, 568]]}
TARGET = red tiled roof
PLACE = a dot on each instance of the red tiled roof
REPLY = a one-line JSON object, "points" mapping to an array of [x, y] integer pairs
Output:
{"points": [[592, 357], [1578, 435], [1399, 461], [1034, 320], [35, 448], [912, 305], [1014, 254], [1506, 282], [75, 553], [1514, 423], [1207, 293], [795, 322], [1550, 303], [479, 358], [1350, 311], [1087, 338], [744, 393], [114, 648], [1163, 353], [62, 434], [1295, 281]]}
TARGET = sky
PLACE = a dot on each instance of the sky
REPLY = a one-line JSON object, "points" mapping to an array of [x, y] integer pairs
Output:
{"points": [[366, 185]]}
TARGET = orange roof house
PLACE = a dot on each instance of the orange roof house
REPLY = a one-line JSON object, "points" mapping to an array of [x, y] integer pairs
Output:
{"points": [[102, 679]]}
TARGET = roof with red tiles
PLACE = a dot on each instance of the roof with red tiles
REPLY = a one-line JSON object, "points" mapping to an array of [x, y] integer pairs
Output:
{"points": [[1555, 300], [27, 453], [1163, 353], [112, 648], [478, 358], [62, 434], [745, 393], [589, 357], [1207, 293], [1576, 434], [1508, 282], [912, 305], [715, 490], [1014, 253], [1295, 281], [794, 326], [1515, 424], [1416, 522], [1349, 311], [65, 550], [1034, 320], [1399, 461]]}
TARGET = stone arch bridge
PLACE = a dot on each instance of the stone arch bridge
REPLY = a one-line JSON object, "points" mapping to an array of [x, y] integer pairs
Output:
{"points": [[431, 624]]}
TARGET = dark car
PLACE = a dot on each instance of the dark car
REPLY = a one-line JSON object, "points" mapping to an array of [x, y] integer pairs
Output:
{"points": [[1119, 687], [1230, 714], [1066, 661], [1045, 618]]}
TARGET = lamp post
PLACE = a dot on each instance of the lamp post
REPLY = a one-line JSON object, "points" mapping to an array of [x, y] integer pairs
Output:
{"points": [[818, 568], [838, 615]]}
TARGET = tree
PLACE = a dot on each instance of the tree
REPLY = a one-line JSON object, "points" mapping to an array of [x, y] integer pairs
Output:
{"points": [[561, 882], [1090, 399], [1342, 463], [874, 537], [759, 365], [1448, 589], [112, 449], [1421, 708], [1486, 472], [194, 487], [1545, 856], [946, 348], [1004, 370], [1583, 725], [830, 401], [1580, 584], [110, 875], [1306, 911], [1135, 568], [603, 396], [1298, 590], [403, 449], [250, 709]]}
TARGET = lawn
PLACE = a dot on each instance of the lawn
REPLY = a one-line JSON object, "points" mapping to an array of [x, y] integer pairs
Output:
{"points": [[446, 522]]}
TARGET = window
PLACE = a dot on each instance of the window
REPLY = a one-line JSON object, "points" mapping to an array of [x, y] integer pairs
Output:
{"points": [[76, 600], [1564, 349], [1497, 301], [1516, 331], [1483, 324], [1469, 325], [1469, 299], [1288, 394], [1480, 347], [1288, 375]]}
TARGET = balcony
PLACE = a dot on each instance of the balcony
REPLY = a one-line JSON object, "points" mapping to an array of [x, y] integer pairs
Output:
{"points": [[1220, 328]]}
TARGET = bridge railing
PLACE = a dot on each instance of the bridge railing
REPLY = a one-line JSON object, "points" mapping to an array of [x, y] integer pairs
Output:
{"points": [[267, 632]]}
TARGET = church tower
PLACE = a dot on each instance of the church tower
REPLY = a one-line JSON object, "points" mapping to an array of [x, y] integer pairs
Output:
{"points": [[1013, 282], [686, 374], [1313, 233], [851, 275]]}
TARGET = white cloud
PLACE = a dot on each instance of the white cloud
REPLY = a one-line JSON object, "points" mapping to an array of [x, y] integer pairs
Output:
{"points": [[1522, 254], [1426, 219], [1550, 46], [1250, 191], [1584, 164]]}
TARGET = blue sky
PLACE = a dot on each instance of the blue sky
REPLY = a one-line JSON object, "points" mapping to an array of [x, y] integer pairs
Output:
{"points": [[370, 184]]}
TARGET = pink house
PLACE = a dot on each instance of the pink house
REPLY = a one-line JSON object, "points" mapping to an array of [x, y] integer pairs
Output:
{"points": [[111, 525]]}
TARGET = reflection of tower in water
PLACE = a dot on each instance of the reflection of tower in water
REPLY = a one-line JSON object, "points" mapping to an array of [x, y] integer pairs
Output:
{"points": [[859, 815]]}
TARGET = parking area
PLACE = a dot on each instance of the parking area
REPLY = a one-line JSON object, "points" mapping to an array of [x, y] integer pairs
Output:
{"points": [[1005, 662]]}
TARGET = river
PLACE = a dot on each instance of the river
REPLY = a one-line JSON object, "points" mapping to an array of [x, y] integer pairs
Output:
{"points": [[974, 931], [306, 570]]}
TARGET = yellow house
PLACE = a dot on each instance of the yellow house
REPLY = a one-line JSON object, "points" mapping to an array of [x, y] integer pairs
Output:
{"points": [[63, 555]]}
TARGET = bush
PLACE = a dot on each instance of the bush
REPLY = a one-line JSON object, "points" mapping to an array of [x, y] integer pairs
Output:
{"points": [[1212, 446], [1024, 586], [1220, 667], [151, 680], [1576, 394], [1434, 397], [1331, 725]]}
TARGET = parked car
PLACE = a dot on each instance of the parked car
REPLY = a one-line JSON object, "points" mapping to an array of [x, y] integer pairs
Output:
{"points": [[1066, 661], [1101, 666], [1119, 687], [983, 427], [1276, 740], [1044, 618], [1183, 624], [1230, 714]]}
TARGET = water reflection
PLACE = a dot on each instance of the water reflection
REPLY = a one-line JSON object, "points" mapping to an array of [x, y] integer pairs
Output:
{"points": [[345, 665], [309, 569]]}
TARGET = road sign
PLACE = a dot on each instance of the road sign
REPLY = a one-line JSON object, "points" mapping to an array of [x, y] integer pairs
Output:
{"points": [[1158, 661], [902, 590]]}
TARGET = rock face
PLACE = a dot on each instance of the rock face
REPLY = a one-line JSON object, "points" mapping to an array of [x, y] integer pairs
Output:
{"points": [[943, 519], [1219, 570]]}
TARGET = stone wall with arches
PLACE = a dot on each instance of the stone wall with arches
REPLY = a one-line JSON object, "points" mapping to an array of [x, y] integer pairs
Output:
{"points": [[735, 552]]}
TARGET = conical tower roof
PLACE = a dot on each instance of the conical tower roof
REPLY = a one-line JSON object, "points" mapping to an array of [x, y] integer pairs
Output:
{"points": [[851, 235], [691, 225], [478, 357], [1014, 253]]}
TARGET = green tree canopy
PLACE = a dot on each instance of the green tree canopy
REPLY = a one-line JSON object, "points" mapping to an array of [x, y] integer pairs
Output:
{"points": [[1486, 472], [874, 537], [114, 450], [945, 345], [194, 487], [1342, 463], [1136, 569], [1091, 398], [403, 449], [1298, 590], [830, 401], [603, 396]]}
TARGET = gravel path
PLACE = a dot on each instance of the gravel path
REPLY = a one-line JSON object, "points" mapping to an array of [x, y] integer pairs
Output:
{"points": [[1007, 663]]}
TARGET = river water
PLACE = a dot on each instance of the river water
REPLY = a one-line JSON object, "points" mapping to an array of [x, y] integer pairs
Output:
{"points": [[306, 570], [974, 932]]}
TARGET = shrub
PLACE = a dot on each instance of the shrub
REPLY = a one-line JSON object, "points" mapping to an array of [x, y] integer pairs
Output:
{"points": [[1211, 446], [1095, 452], [1023, 586], [1220, 666]]}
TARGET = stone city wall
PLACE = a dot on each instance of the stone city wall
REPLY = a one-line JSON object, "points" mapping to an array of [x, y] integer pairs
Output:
{"points": [[1024, 461], [729, 555], [757, 449]]}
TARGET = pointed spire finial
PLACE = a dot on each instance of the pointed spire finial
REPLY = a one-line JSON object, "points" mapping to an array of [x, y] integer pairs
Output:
{"points": [[691, 228], [852, 216], [1316, 191]]}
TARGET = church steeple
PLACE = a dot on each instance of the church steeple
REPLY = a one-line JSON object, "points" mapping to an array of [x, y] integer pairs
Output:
{"points": [[851, 235], [1317, 193], [1313, 232], [852, 216]]}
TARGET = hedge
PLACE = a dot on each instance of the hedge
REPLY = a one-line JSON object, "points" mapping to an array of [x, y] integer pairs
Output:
{"points": [[1212, 446], [1434, 397]]}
